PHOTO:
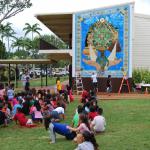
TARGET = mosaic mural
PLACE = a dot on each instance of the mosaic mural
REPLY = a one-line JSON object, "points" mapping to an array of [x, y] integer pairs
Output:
{"points": [[102, 41]]}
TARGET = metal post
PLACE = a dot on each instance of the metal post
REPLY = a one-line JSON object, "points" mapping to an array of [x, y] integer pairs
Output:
{"points": [[41, 77], [9, 74], [16, 76], [46, 74]]}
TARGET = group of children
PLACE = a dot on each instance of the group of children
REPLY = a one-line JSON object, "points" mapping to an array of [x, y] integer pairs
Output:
{"points": [[37, 104], [49, 108], [87, 121]]}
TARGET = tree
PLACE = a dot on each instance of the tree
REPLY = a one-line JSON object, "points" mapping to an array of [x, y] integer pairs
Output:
{"points": [[52, 39], [17, 44], [8, 33], [9, 8], [3, 29], [32, 29], [21, 54], [35, 46], [2, 50], [22, 44]]}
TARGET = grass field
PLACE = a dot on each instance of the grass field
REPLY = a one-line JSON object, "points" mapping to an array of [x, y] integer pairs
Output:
{"points": [[37, 82], [128, 128]]}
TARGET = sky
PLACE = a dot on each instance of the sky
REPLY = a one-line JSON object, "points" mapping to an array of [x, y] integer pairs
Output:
{"points": [[62, 6]]}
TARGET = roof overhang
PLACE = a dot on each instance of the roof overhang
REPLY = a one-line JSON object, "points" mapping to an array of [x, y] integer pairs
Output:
{"points": [[56, 55], [26, 61], [59, 24]]}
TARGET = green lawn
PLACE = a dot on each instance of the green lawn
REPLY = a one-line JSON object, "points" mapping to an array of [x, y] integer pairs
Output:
{"points": [[37, 82], [128, 128]]}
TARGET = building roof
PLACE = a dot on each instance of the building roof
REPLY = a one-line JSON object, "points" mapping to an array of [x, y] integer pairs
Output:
{"points": [[56, 55], [26, 61], [59, 24]]}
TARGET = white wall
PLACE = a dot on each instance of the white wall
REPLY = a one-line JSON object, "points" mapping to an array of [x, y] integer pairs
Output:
{"points": [[141, 42]]}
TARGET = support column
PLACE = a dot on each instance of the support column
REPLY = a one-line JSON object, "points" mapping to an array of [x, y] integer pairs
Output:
{"points": [[46, 74], [9, 74], [16, 76], [41, 77]]}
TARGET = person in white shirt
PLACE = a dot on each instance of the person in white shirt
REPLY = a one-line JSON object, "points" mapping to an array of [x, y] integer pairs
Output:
{"points": [[10, 93], [60, 111], [94, 81], [24, 77], [99, 123]]}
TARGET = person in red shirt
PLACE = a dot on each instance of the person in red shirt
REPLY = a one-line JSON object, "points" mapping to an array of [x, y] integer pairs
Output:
{"points": [[92, 113], [23, 121], [54, 102], [84, 96]]}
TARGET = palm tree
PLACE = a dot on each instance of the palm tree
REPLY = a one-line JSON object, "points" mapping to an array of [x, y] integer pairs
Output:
{"points": [[17, 43], [22, 44], [2, 31], [32, 29], [7, 32]]}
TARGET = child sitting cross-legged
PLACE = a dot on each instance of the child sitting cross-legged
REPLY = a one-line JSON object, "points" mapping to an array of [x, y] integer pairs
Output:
{"points": [[99, 123]]}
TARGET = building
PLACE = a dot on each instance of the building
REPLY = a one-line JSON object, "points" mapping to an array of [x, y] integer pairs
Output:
{"points": [[63, 25], [141, 43]]}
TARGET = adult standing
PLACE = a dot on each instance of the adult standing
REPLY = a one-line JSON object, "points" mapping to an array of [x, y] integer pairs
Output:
{"points": [[94, 81], [109, 85], [24, 78]]}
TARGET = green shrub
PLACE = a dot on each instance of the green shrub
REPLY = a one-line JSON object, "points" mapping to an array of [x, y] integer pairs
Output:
{"points": [[141, 75]]}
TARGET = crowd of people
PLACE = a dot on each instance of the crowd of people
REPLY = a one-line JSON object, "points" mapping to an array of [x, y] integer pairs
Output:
{"points": [[49, 108]]}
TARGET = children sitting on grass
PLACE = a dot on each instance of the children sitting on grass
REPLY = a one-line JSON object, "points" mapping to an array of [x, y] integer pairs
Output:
{"points": [[86, 141], [98, 124], [83, 125], [42, 104], [23, 121], [35, 112], [3, 118]]}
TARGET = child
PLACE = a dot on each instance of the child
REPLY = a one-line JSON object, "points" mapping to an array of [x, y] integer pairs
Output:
{"points": [[7, 112], [98, 124], [92, 113], [58, 128], [58, 84], [109, 85], [71, 98], [83, 125], [60, 111], [2, 117], [23, 121], [86, 141], [16, 106], [75, 121], [54, 101], [35, 112], [84, 96]]}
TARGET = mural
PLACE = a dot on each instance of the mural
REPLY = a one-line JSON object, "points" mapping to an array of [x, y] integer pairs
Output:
{"points": [[102, 41]]}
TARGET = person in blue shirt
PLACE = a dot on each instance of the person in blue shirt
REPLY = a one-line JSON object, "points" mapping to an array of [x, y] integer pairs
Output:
{"points": [[17, 106], [58, 128]]}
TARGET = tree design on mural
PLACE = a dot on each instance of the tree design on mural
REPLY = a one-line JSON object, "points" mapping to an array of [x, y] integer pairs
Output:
{"points": [[102, 36]]}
